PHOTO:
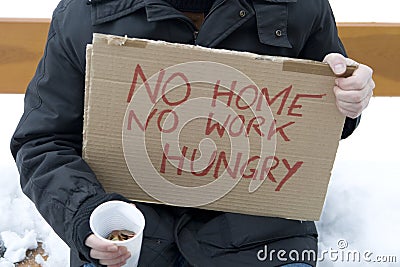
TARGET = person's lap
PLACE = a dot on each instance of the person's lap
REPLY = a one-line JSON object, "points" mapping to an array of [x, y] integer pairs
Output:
{"points": [[209, 238]]}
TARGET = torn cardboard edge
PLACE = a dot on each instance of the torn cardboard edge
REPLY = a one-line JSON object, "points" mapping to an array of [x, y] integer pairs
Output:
{"points": [[289, 64], [89, 49]]}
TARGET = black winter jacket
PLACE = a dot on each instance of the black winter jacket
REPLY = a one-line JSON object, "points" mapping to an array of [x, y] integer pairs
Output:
{"points": [[47, 143]]}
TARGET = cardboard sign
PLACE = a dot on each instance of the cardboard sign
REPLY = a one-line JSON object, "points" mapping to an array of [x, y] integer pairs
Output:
{"points": [[214, 129]]}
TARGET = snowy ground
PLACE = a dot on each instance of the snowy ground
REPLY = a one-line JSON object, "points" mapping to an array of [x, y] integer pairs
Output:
{"points": [[361, 212], [20, 224]]}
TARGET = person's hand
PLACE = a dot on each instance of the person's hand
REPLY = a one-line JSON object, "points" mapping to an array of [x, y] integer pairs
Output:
{"points": [[107, 253], [352, 93]]}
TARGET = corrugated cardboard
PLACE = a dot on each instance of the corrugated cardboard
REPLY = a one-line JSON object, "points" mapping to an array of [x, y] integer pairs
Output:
{"points": [[141, 161]]}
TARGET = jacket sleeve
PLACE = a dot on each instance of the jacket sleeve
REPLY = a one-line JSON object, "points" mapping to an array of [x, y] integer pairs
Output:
{"points": [[323, 40], [47, 145]]}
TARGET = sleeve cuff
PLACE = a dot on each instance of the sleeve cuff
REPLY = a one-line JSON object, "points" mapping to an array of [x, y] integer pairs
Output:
{"points": [[81, 227], [349, 126]]}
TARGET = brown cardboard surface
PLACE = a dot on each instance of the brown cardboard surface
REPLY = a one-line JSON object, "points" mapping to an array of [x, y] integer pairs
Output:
{"points": [[295, 137]]}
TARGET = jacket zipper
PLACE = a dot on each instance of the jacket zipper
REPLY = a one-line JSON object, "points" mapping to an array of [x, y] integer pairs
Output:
{"points": [[193, 27]]}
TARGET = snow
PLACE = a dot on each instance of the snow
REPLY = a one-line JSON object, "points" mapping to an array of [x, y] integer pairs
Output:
{"points": [[17, 245], [21, 225], [39, 259], [5, 263], [363, 195], [361, 208]]}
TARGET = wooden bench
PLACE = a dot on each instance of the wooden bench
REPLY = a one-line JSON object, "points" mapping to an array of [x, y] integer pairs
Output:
{"points": [[376, 44]]}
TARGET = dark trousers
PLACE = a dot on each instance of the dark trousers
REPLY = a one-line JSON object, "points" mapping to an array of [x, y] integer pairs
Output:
{"points": [[176, 236]]}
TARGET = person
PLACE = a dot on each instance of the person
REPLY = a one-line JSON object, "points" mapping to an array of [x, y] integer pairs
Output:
{"points": [[47, 143]]}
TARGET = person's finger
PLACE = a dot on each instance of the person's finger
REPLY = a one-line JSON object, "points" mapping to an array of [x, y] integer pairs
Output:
{"points": [[347, 113], [96, 243], [361, 77], [107, 253], [353, 110], [116, 261], [119, 264], [352, 96], [98, 254], [352, 107]]}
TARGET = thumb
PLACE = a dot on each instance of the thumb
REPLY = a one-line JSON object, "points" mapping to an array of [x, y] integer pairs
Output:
{"points": [[337, 62]]}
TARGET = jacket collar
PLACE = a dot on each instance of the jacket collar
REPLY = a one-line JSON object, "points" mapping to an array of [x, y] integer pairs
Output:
{"points": [[233, 14], [157, 10], [107, 10], [209, 35]]}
